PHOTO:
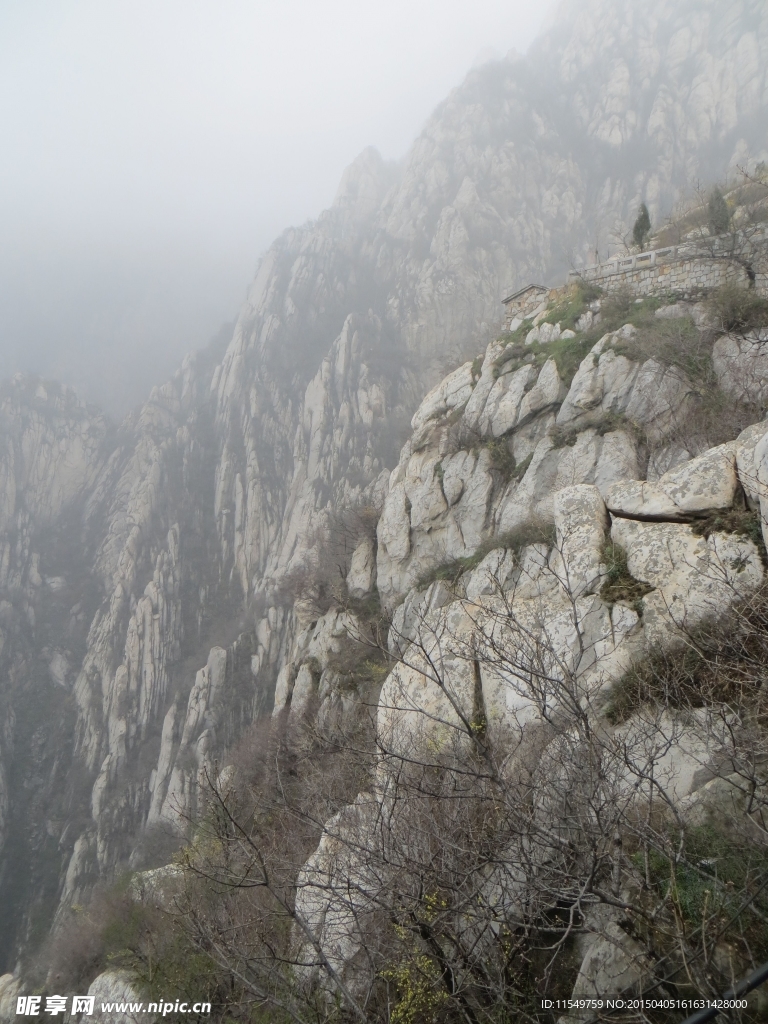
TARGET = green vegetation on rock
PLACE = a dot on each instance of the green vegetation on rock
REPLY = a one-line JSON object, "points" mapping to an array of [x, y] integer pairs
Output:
{"points": [[618, 583]]}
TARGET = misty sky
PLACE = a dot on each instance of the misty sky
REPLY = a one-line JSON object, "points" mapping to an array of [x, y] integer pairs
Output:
{"points": [[150, 152]]}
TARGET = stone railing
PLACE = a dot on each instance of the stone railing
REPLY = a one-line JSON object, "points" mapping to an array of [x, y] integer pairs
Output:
{"points": [[626, 264], [687, 269]]}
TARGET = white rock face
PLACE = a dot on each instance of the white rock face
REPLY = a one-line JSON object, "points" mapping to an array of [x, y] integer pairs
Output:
{"points": [[580, 521], [502, 409], [157, 885], [320, 684], [541, 603], [450, 394], [175, 787], [493, 573], [706, 482], [335, 860], [361, 577], [441, 500], [9, 990], [118, 987], [693, 578], [436, 510], [548, 391], [50, 452], [449, 234], [650, 395], [741, 365]]}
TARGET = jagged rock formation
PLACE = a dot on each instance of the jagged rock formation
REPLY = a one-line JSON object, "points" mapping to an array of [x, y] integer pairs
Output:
{"points": [[468, 627], [131, 558]]}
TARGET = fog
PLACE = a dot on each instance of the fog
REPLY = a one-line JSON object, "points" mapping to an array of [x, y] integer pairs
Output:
{"points": [[152, 150]]}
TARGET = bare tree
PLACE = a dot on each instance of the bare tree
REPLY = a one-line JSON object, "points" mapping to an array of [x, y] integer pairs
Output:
{"points": [[515, 819]]}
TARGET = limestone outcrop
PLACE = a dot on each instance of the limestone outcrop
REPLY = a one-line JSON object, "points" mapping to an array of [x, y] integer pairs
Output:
{"points": [[497, 571]]}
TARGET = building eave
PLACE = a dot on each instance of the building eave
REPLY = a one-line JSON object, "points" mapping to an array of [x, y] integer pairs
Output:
{"points": [[522, 291]]}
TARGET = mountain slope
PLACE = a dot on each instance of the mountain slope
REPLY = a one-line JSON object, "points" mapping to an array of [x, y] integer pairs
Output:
{"points": [[189, 528]]}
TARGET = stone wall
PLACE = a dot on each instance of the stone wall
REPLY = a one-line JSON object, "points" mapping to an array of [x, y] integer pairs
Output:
{"points": [[644, 275], [685, 271], [525, 304]]}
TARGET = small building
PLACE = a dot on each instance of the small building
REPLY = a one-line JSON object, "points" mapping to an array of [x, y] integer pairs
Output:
{"points": [[522, 304]]}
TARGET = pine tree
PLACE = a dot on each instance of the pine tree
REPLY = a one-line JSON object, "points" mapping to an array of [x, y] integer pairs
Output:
{"points": [[719, 216], [642, 227]]}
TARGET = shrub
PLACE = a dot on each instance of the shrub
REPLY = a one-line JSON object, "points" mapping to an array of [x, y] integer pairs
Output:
{"points": [[618, 583], [567, 353], [568, 310], [421, 996], [521, 468], [623, 307], [737, 310], [462, 438], [602, 423], [719, 868], [564, 437], [722, 663], [670, 342], [589, 292], [743, 522], [502, 459], [116, 930], [710, 417]]}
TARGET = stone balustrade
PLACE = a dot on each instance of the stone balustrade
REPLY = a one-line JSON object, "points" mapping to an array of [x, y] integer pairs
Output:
{"points": [[686, 271]]}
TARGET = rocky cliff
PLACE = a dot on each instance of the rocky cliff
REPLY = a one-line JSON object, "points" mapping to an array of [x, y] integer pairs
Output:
{"points": [[544, 536], [162, 581]]}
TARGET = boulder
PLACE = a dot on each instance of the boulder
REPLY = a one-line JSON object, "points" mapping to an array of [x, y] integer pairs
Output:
{"points": [[604, 381], [491, 576], [746, 468], [663, 459], [488, 379], [304, 689], [585, 321], [438, 511], [694, 578], [593, 459], [706, 482], [752, 466], [675, 311], [547, 391], [544, 333], [599, 459], [614, 964]]}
